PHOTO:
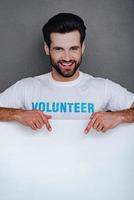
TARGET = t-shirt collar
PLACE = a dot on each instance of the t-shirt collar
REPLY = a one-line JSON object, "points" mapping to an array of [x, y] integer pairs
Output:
{"points": [[67, 83]]}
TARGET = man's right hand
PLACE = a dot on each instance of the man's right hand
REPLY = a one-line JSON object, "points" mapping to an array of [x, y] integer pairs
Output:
{"points": [[33, 118]]}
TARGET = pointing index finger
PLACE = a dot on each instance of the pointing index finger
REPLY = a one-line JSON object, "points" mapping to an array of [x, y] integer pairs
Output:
{"points": [[46, 121], [90, 124]]}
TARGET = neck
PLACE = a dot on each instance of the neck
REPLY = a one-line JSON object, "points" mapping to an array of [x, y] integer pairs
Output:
{"points": [[56, 76]]}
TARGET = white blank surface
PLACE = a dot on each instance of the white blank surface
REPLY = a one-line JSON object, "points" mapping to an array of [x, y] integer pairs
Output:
{"points": [[66, 164]]}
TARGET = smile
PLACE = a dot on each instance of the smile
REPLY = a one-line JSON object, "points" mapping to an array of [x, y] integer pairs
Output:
{"points": [[67, 65]]}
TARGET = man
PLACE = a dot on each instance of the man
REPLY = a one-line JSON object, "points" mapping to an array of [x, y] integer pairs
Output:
{"points": [[66, 92]]}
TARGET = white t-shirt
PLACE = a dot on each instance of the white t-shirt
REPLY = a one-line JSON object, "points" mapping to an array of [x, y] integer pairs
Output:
{"points": [[72, 99]]}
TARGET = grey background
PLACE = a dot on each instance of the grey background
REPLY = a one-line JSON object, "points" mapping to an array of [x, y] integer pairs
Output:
{"points": [[109, 43]]}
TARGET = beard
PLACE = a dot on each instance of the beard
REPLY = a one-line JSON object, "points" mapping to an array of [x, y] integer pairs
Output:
{"points": [[64, 69]]}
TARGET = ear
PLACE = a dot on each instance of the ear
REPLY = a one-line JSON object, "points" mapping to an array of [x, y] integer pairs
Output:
{"points": [[46, 49], [83, 47]]}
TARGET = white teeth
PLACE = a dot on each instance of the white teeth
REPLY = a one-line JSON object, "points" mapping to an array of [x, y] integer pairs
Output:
{"points": [[66, 64]]}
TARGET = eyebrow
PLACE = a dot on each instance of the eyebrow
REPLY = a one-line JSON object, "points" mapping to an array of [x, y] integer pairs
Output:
{"points": [[58, 47]]}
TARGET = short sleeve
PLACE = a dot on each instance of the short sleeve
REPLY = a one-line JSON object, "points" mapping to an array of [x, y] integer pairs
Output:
{"points": [[14, 96], [117, 97]]}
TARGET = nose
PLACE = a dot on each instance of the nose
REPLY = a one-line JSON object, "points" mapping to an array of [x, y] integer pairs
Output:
{"points": [[66, 56]]}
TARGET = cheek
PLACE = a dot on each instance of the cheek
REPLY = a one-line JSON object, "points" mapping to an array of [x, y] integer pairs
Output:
{"points": [[77, 56], [55, 56]]}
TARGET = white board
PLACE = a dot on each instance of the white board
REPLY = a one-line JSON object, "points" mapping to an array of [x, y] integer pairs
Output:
{"points": [[66, 164]]}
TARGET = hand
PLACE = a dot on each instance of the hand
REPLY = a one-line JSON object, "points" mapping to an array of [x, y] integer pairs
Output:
{"points": [[102, 121], [33, 118]]}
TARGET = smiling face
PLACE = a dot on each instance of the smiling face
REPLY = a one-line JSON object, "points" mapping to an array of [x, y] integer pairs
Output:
{"points": [[65, 55]]}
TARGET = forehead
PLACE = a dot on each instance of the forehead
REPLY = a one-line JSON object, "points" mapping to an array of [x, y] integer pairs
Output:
{"points": [[65, 39]]}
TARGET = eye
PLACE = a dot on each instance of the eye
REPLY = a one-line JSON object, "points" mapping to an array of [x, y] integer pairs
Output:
{"points": [[58, 48], [74, 48]]}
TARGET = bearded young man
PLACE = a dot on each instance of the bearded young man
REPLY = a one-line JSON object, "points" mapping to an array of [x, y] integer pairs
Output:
{"points": [[66, 92]]}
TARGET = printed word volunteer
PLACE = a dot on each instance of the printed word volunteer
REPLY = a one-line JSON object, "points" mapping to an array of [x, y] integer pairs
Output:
{"points": [[63, 107]]}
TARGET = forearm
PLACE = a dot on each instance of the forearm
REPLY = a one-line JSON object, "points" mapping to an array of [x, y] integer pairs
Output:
{"points": [[8, 114], [127, 116], [102, 121]]}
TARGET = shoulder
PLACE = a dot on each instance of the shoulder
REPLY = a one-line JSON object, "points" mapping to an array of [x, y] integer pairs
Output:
{"points": [[102, 83], [34, 81], [94, 81]]}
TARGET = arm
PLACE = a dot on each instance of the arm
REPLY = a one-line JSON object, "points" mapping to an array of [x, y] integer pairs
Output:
{"points": [[32, 118], [14, 97], [102, 121]]}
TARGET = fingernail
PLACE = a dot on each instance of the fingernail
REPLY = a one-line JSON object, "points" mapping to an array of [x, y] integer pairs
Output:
{"points": [[50, 129], [85, 131]]}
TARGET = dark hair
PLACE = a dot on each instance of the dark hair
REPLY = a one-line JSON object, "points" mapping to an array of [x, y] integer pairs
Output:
{"points": [[64, 23]]}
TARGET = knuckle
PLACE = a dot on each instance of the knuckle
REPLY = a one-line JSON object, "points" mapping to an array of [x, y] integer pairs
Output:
{"points": [[33, 119], [39, 112], [36, 112], [37, 115], [98, 113], [30, 123]]}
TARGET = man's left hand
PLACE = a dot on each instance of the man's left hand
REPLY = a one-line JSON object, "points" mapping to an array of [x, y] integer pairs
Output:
{"points": [[102, 121]]}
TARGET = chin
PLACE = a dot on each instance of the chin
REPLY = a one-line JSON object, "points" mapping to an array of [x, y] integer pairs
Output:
{"points": [[68, 75]]}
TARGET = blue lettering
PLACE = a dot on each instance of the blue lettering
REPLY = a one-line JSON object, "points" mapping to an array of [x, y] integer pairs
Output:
{"points": [[55, 107], [90, 107], [42, 106], [70, 106], [77, 107], [63, 107], [48, 107], [83, 107], [35, 105]]}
